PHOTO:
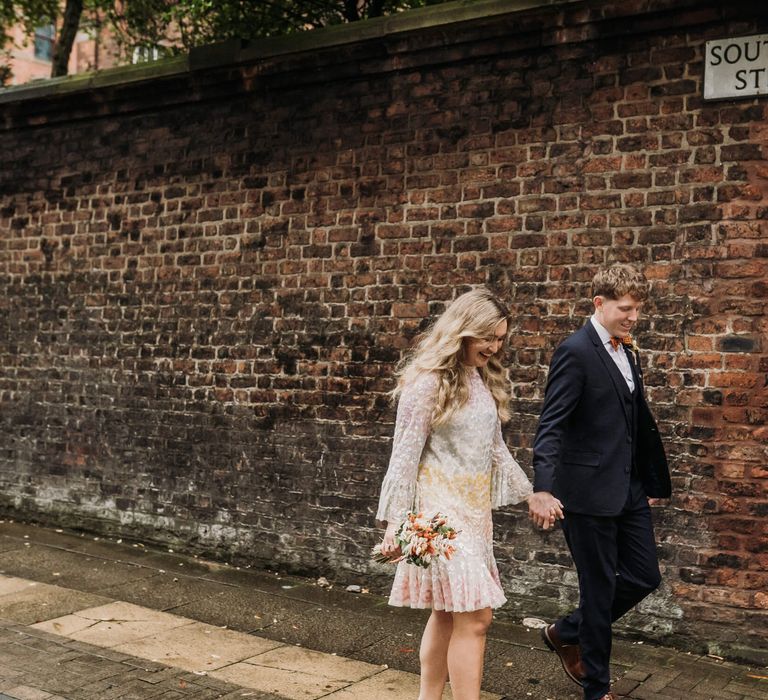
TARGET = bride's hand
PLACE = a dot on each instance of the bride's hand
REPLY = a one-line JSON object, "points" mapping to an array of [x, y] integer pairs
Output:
{"points": [[544, 509], [388, 545]]}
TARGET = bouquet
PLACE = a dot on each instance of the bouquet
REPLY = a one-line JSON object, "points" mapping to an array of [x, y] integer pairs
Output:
{"points": [[420, 540]]}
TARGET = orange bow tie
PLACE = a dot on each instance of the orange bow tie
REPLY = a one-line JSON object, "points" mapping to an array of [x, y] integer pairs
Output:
{"points": [[616, 341]]}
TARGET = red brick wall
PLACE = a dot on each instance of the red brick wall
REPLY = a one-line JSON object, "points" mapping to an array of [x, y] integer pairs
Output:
{"points": [[207, 278]]}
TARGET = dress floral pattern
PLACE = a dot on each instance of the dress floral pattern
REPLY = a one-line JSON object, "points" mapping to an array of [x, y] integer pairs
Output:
{"points": [[461, 468]]}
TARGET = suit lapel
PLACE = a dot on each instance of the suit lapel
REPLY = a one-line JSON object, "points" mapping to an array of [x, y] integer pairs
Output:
{"points": [[617, 379]]}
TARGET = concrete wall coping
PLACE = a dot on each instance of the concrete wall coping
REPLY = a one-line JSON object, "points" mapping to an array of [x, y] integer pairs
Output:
{"points": [[237, 52]]}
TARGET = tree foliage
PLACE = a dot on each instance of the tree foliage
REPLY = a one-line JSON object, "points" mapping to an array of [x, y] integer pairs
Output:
{"points": [[179, 25], [167, 27]]}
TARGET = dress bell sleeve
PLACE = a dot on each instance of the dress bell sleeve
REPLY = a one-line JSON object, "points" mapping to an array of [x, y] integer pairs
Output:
{"points": [[412, 426], [509, 484]]}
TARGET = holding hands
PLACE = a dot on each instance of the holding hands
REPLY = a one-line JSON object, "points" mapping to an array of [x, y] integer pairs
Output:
{"points": [[544, 509]]}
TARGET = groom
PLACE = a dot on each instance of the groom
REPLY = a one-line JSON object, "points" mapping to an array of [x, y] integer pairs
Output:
{"points": [[598, 462]]}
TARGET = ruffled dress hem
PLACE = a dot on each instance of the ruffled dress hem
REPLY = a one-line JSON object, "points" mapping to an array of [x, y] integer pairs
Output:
{"points": [[441, 587], [497, 603]]}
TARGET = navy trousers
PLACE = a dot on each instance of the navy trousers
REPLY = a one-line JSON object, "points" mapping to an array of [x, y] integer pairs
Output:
{"points": [[617, 565]]}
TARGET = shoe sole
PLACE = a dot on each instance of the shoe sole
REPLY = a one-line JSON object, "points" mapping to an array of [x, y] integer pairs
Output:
{"points": [[551, 647]]}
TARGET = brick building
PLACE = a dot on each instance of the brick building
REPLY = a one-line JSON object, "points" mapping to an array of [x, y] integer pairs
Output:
{"points": [[30, 57], [209, 267]]}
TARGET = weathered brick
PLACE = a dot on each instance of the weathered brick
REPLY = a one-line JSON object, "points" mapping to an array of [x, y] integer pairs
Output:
{"points": [[226, 306], [741, 152], [631, 180]]}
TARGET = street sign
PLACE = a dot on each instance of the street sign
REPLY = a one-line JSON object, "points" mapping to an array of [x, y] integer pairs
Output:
{"points": [[736, 67]]}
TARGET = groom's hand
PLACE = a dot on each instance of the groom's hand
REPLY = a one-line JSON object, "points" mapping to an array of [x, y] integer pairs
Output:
{"points": [[544, 509]]}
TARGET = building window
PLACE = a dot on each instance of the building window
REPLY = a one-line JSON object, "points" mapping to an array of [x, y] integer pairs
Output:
{"points": [[44, 37], [143, 54]]}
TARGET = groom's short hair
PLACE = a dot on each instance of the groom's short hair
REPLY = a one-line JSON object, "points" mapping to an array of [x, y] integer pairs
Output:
{"points": [[617, 280]]}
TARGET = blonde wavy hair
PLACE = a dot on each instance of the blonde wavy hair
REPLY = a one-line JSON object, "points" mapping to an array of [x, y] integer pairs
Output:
{"points": [[440, 350]]}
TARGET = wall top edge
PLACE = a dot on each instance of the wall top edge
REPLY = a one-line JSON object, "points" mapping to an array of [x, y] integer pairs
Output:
{"points": [[238, 52]]}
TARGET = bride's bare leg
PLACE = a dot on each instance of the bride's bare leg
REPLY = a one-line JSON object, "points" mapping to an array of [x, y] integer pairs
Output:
{"points": [[433, 655], [466, 652]]}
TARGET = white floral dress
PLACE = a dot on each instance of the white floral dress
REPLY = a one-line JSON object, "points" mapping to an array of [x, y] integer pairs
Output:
{"points": [[461, 468]]}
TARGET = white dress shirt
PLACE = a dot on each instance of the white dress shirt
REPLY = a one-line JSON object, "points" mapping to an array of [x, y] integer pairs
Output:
{"points": [[619, 355]]}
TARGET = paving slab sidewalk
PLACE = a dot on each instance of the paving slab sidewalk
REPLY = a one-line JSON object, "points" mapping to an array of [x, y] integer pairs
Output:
{"points": [[84, 617]]}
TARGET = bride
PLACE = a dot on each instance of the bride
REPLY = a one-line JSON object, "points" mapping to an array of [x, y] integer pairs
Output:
{"points": [[448, 456]]}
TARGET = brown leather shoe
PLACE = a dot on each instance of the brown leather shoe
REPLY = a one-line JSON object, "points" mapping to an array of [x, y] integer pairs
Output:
{"points": [[570, 656], [610, 696]]}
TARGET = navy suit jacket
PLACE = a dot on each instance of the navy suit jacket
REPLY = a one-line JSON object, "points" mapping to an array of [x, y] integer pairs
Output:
{"points": [[583, 449]]}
